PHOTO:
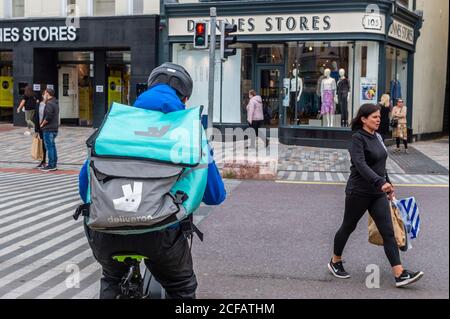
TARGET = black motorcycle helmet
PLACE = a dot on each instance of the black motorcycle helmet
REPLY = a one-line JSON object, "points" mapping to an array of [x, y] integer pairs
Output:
{"points": [[173, 75]]}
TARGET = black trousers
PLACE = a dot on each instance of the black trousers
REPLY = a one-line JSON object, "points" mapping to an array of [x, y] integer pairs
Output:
{"points": [[170, 260], [355, 207], [343, 105], [405, 143], [256, 125]]}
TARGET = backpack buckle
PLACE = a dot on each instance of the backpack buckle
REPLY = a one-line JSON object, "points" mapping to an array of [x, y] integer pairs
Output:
{"points": [[82, 210], [180, 197]]}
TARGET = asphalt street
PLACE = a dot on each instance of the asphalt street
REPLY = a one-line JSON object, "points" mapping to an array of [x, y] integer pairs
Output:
{"points": [[273, 240]]}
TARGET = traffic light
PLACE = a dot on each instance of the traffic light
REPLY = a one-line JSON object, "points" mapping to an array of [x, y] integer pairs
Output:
{"points": [[200, 36], [227, 39]]}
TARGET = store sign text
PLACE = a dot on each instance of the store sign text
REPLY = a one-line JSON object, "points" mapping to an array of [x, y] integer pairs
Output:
{"points": [[34, 34], [402, 32], [331, 22], [316, 23]]}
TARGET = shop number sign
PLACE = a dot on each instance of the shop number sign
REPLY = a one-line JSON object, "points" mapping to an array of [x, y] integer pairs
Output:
{"points": [[372, 22]]}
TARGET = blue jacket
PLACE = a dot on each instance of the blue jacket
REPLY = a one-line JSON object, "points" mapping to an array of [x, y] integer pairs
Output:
{"points": [[163, 98]]}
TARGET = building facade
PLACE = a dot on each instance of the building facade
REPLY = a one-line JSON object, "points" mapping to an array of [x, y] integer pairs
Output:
{"points": [[91, 52], [284, 47]]}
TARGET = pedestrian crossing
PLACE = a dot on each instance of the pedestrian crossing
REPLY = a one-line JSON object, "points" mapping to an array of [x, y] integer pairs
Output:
{"points": [[342, 177], [44, 253], [39, 240]]}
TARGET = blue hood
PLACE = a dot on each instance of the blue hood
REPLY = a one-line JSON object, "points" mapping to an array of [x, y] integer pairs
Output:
{"points": [[160, 97]]}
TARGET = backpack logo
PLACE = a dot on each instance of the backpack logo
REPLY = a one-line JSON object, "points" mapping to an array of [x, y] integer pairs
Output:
{"points": [[131, 200], [154, 132]]}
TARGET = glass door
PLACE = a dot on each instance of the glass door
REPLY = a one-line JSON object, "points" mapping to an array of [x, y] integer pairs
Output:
{"points": [[269, 84]]}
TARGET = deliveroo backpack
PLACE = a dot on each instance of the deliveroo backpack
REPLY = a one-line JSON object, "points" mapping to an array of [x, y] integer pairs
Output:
{"points": [[147, 170]]}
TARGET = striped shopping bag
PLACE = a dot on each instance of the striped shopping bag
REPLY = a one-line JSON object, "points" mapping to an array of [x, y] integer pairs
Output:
{"points": [[410, 215]]}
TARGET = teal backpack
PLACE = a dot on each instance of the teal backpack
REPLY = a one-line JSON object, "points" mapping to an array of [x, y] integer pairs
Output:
{"points": [[147, 170]]}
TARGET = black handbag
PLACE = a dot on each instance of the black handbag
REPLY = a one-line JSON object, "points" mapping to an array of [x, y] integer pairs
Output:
{"points": [[394, 123]]}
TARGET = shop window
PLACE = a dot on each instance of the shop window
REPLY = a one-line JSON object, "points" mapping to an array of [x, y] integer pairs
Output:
{"points": [[138, 6], [71, 7], [104, 7], [270, 53], [18, 8], [119, 77], [228, 97], [396, 73], [6, 86], [79, 56], [308, 99], [366, 75]]}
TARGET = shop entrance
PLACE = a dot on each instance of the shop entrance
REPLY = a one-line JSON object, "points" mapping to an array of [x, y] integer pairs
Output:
{"points": [[269, 81], [68, 93], [6, 87]]}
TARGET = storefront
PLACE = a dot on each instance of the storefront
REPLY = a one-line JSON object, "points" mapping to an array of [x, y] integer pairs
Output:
{"points": [[90, 63], [284, 50]]}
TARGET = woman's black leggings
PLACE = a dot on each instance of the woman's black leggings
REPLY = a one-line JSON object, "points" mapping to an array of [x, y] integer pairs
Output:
{"points": [[405, 142], [378, 207]]}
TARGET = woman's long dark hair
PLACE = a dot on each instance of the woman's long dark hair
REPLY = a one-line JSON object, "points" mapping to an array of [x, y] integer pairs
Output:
{"points": [[364, 111], [29, 91]]}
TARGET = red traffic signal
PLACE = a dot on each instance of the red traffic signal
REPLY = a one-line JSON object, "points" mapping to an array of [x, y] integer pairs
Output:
{"points": [[200, 35]]}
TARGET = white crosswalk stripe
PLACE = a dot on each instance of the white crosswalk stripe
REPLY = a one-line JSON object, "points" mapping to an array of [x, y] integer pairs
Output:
{"points": [[39, 238], [339, 177], [34, 227]]}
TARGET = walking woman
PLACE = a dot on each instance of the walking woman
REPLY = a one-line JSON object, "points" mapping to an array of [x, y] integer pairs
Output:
{"points": [[400, 132], [28, 102], [385, 109], [369, 188]]}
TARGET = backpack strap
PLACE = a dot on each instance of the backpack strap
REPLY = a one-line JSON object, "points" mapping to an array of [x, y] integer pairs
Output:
{"points": [[82, 210], [188, 228]]}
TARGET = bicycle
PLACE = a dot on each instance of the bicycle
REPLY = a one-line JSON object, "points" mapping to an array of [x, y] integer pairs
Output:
{"points": [[135, 286]]}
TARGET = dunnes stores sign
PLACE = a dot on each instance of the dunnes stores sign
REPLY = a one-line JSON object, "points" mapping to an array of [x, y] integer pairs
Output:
{"points": [[401, 32], [34, 34], [289, 24]]}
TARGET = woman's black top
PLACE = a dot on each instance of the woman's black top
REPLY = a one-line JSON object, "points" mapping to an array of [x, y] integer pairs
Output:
{"points": [[368, 170]]}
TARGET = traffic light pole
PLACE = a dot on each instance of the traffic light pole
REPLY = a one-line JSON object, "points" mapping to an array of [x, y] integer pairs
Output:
{"points": [[212, 60]]}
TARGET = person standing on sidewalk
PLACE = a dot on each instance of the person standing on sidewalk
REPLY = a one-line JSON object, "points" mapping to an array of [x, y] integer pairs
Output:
{"points": [[369, 188], [49, 127], [38, 118], [400, 132], [255, 115], [385, 109], [28, 102]]}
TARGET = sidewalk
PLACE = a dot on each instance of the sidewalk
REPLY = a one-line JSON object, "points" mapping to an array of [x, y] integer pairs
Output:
{"points": [[424, 157]]}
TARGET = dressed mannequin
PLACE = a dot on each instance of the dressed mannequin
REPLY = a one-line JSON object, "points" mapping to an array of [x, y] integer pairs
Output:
{"points": [[343, 93], [328, 93], [296, 90], [396, 90]]}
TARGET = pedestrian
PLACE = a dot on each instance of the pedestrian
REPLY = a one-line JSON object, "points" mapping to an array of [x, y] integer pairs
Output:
{"points": [[49, 127], [369, 188], [255, 116], [28, 103], [168, 252], [38, 118], [385, 109], [400, 132]]}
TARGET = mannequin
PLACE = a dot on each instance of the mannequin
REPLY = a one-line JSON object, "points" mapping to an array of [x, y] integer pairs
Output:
{"points": [[296, 84], [343, 93], [396, 90], [328, 93], [296, 89]]}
